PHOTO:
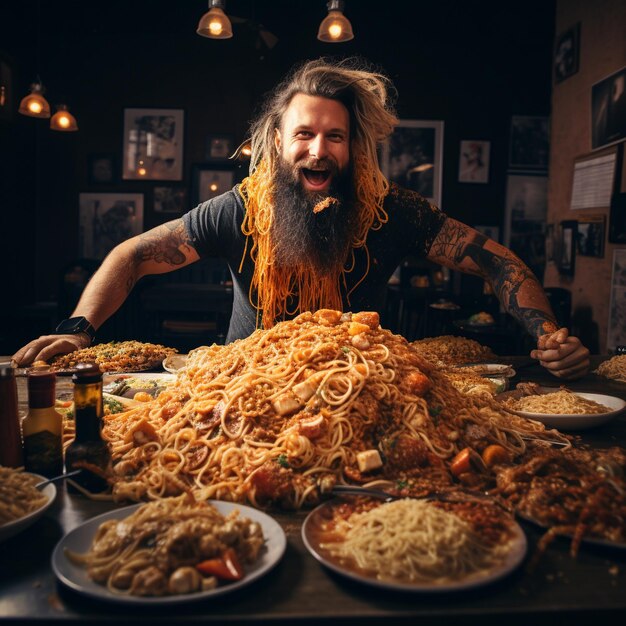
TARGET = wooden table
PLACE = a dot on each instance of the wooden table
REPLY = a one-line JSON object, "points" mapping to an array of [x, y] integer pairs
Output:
{"points": [[561, 589]]}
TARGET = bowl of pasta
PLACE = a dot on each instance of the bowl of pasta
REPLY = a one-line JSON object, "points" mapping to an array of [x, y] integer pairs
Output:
{"points": [[21, 503]]}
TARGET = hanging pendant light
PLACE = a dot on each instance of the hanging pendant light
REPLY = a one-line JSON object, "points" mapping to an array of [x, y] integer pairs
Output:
{"points": [[34, 104], [215, 24], [63, 120], [335, 27]]}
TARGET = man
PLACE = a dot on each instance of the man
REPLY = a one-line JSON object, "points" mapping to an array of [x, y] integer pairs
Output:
{"points": [[316, 225]]}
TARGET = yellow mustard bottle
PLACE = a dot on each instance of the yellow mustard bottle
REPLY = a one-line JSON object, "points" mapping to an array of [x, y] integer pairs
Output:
{"points": [[42, 428]]}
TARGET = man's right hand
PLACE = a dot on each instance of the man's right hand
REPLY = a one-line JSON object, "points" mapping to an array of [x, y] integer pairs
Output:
{"points": [[47, 346]]}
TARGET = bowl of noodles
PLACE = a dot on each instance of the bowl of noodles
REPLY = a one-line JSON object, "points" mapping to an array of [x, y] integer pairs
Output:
{"points": [[564, 409], [21, 503]]}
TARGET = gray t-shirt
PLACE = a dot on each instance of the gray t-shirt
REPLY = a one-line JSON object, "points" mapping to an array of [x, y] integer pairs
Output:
{"points": [[214, 228]]}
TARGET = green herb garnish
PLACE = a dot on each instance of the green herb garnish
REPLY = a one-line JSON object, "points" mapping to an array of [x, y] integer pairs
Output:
{"points": [[281, 459]]}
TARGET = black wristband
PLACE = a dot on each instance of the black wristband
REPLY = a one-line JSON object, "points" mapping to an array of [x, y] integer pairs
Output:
{"points": [[75, 326]]}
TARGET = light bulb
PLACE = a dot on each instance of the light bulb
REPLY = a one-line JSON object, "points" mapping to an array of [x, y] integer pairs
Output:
{"points": [[216, 28], [335, 30], [64, 121], [34, 106]]}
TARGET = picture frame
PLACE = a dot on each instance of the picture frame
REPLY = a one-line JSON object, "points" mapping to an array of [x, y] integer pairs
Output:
{"points": [[616, 329], [474, 161], [169, 199], [567, 53], [153, 144], [6, 90], [567, 247], [101, 169], [526, 200], [209, 180], [590, 236], [530, 142], [107, 219], [218, 147], [413, 157], [608, 110]]}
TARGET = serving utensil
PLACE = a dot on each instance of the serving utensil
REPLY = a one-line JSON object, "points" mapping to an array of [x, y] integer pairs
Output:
{"points": [[55, 479]]}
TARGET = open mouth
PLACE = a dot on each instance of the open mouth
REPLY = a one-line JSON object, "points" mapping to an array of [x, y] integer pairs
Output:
{"points": [[316, 179]]}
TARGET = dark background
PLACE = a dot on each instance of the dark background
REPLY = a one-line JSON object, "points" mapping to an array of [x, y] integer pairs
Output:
{"points": [[471, 64]]}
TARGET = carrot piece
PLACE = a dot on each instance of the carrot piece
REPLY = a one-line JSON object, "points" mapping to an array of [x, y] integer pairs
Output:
{"points": [[494, 455], [461, 463], [226, 567]]}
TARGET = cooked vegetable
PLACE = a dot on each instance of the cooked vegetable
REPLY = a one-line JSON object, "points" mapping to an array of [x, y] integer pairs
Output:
{"points": [[226, 567]]}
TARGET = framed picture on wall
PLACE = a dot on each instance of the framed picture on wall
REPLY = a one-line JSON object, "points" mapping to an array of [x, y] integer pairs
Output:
{"points": [[153, 144], [567, 247], [218, 147], [208, 181], [474, 161], [566, 53], [6, 90], [100, 169], [608, 110], [590, 236], [170, 199], [413, 157], [530, 142], [106, 219], [616, 335]]}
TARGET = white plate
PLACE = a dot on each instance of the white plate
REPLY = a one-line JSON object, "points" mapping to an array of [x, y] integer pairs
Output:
{"points": [[79, 540], [17, 526], [513, 560], [174, 362], [141, 382], [489, 370], [581, 421]]}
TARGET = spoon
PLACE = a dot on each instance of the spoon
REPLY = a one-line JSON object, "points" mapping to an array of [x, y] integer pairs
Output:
{"points": [[43, 483]]}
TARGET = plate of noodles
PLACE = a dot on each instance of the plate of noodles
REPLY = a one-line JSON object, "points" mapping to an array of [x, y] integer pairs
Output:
{"points": [[415, 545], [21, 503], [565, 409], [167, 522]]}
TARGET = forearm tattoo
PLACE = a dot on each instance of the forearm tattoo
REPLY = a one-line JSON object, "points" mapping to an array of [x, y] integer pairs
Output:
{"points": [[162, 245], [506, 274]]}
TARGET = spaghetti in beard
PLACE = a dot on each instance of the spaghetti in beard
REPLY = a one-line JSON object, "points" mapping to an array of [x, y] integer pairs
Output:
{"points": [[283, 415]]}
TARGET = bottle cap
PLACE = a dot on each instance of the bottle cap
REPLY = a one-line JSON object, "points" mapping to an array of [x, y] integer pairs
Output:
{"points": [[41, 387], [85, 373], [6, 370]]}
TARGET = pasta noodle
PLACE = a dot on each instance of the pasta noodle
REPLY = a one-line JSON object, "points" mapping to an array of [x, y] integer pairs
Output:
{"points": [[614, 368], [155, 550], [18, 495], [448, 350], [283, 415], [414, 541], [562, 402]]}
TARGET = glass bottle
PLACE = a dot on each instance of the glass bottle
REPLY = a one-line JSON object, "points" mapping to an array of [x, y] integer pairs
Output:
{"points": [[42, 427], [11, 452], [88, 451]]}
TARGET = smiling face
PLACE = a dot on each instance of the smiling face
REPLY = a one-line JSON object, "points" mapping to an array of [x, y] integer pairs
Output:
{"points": [[314, 140]]}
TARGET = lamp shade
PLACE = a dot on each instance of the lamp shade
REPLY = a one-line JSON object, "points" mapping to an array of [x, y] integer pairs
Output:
{"points": [[215, 23], [34, 104], [63, 120], [335, 27]]}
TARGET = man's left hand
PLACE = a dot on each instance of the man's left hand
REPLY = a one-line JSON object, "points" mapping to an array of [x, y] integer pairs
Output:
{"points": [[562, 355]]}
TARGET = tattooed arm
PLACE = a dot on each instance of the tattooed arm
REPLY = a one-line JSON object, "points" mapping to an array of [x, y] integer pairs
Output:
{"points": [[461, 248], [162, 249]]}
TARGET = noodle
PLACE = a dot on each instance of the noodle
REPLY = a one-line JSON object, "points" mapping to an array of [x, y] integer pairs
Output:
{"points": [[562, 402], [151, 552], [414, 541], [614, 368], [283, 415], [448, 350], [18, 494]]}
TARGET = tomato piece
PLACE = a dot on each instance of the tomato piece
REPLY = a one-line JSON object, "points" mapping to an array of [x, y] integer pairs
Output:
{"points": [[461, 463], [226, 567], [494, 455]]}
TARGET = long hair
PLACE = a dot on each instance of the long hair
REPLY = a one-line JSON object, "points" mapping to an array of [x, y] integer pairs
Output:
{"points": [[365, 93]]}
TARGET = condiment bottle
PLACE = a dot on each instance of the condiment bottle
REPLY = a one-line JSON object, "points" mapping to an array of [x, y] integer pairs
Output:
{"points": [[42, 427], [88, 451], [11, 453]]}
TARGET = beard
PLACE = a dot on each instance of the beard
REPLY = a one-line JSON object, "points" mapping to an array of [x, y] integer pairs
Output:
{"points": [[318, 242]]}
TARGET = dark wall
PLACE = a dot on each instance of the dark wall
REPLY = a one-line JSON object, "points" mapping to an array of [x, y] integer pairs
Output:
{"points": [[471, 64]]}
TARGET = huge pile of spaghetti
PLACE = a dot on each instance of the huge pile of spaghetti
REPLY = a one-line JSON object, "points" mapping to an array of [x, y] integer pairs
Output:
{"points": [[286, 413], [614, 368], [411, 541], [161, 547], [18, 494], [562, 402]]}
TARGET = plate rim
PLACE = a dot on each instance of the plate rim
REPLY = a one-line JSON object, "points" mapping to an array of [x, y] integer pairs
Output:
{"points": [[513, 561], [272, 530], [29, 519]]}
